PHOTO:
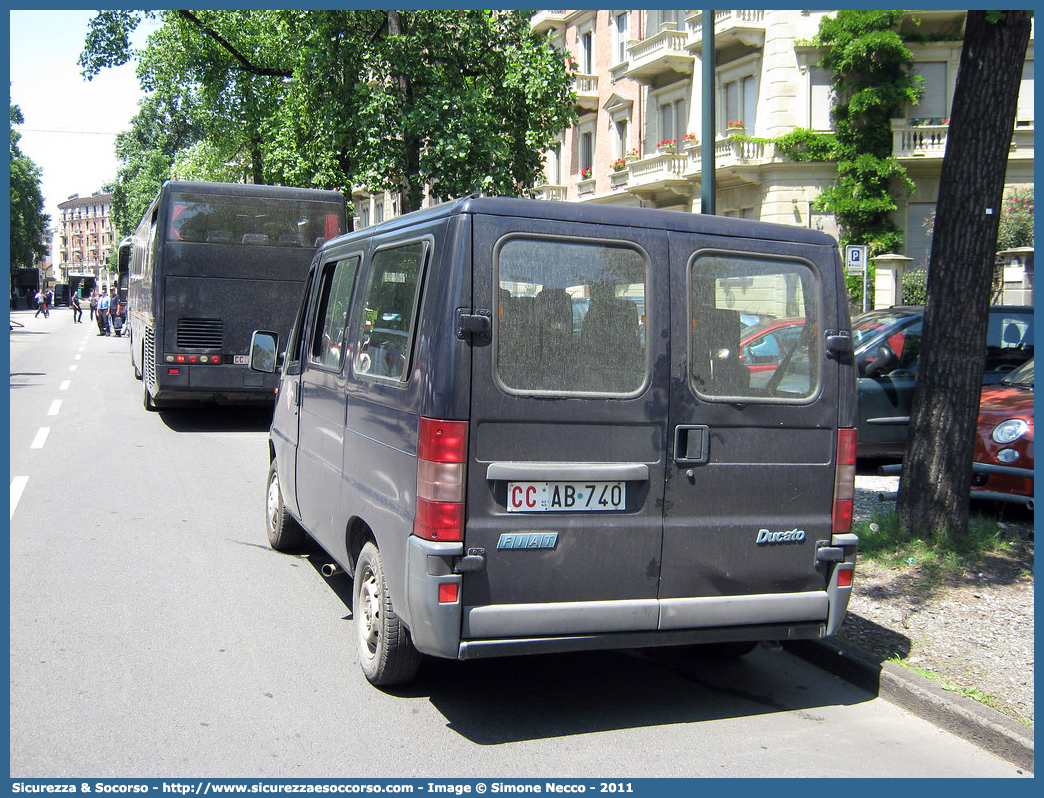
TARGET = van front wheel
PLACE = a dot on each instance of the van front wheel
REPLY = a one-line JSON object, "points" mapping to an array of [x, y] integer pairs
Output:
{"points": [[284, 533], [386, 653]]}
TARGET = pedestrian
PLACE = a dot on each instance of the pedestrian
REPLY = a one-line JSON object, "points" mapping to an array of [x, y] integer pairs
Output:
{"points": [[103, 313], [93, 303], [74, 303], [115, 308], [41, 304]]}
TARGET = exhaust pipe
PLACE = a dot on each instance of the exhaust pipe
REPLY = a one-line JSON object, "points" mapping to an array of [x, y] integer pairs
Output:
{"points": [[332, 569]]}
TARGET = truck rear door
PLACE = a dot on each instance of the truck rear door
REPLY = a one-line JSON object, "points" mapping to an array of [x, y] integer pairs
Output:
{"points": [[567, 435], [751, 434]]}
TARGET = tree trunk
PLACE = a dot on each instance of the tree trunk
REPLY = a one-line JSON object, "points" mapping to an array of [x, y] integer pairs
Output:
{"points": [[937, 469], [409, 194]]}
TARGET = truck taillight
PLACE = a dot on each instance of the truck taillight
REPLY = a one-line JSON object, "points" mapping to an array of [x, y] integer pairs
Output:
{"points": [[442, 455], [844, 481]]}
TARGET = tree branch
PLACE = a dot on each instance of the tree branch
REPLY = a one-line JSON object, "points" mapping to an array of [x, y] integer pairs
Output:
{"points": [[245, 64]]}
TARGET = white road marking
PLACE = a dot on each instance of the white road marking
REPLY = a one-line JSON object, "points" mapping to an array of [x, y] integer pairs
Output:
{"points": [[78, 357], [41, 437], [72, 368], [65, 385], [17, 486], [56, 405]]}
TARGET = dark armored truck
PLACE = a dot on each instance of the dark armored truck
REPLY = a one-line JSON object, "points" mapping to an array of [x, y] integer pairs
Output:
{"points": [[528, 427]]}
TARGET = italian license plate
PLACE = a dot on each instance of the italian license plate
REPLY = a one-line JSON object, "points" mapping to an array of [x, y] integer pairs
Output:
{"points": [[548, 497]]}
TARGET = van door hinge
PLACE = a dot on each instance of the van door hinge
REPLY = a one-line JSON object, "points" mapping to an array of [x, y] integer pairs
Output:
{"points": [[839, 343], [476, 327]]}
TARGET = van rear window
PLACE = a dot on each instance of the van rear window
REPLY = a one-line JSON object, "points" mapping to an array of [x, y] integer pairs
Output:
{"points": [[570, 317], [754, 328]]}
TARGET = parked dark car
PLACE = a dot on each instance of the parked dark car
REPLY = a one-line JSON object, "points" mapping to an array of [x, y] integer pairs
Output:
{"points": [[1004, 440], [887, 344]]}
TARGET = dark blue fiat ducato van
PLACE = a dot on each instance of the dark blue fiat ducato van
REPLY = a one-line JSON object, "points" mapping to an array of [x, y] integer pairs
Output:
{"points": [[527, 427]]}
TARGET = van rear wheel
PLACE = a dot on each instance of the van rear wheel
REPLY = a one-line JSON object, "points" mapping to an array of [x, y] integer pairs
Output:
{"points": [[284, 533], [386, 652]]}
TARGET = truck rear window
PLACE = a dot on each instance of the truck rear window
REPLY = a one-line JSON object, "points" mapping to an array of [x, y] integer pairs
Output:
{"points": [[754, 328], [570, 317]]}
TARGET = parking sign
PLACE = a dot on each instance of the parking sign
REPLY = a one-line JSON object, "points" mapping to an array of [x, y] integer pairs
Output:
{"points": [[855, 258]]}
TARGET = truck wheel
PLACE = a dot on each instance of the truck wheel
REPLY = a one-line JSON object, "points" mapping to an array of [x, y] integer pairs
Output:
{"points": [[386, 652], [134, 361], [284, 533], [146, 398]]}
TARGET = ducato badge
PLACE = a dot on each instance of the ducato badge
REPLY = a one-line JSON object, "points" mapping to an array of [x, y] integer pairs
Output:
{"points": [[765, 537]]}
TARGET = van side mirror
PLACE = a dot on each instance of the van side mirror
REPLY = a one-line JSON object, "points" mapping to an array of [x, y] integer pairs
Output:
{"points": [[263, 351]]}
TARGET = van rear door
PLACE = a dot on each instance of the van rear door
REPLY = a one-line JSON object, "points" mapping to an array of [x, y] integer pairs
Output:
{"points": [[567, 434], [752, 432]]}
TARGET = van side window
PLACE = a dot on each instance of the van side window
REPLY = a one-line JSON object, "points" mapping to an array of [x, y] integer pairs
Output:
{"points": [[331, 319], [754, 331], [391, 303], [570, 317]]}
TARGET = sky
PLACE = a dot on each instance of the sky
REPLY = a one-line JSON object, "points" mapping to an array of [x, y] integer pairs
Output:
{"points": [[70, 124]]}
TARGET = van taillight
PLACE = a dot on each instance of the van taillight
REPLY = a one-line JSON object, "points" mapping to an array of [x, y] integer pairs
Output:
{"points": [[442, 455], [844, 481]]}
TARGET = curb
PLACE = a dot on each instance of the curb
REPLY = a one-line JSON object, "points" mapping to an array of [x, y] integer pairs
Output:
{"points": [[968, 719]]}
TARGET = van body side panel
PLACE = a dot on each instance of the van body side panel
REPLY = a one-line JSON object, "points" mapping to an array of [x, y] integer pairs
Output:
{"points": [[745, 507], [533, 430], [379, 464]]}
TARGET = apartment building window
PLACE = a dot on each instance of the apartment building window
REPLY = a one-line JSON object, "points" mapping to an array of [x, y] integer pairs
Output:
{"points": [[379, 211], [933, 103], [820, 98], [740, 103], [364, 215], [554, 164], [670, 19], [587, 150], [587, 53], [674, 117], [620, 129], [620, 36]]}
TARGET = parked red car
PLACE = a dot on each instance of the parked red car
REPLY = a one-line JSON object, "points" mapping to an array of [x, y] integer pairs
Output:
{"points": [[1004, 440]]}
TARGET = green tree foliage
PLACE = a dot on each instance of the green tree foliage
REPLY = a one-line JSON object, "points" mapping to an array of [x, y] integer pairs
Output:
{"points": [[872, 83], [161, 130], [442, 101], [27, 217]]}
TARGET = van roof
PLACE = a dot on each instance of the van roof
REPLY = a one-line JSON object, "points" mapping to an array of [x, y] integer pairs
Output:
{"points": [[625, 216]]}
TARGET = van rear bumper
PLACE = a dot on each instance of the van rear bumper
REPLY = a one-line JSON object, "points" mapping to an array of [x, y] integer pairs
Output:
{"points": [[482, 649], [467, 632]]}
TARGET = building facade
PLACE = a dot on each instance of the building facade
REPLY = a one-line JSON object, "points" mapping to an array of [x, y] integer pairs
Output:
{"points": [[86, 238], [639, 96]]}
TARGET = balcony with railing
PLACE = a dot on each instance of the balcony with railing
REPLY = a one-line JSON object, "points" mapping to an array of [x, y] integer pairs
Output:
{"points": [[543, 21], [663, 172], [586, 88], [546, 191], [661, 54], [914, 140], [731, 28]]}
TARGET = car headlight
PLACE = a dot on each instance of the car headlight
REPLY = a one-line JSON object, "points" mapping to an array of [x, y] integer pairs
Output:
{"points": [[1010, 430]]}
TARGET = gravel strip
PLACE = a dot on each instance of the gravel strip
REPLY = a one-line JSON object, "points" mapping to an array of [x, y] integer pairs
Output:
{"points": [[974, 631]]}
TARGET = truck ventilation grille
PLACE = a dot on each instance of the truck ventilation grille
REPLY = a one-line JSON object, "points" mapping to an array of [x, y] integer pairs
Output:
{"points": [[200, 333]]}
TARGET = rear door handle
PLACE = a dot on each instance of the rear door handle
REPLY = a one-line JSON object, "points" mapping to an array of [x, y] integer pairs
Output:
{"points": [[691, 444]]}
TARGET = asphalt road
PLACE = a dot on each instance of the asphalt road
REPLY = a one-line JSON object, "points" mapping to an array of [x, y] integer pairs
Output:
{"points": [[155, 634]]}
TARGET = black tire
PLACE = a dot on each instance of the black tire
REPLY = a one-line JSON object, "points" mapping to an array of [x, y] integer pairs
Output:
{"points": [[146, 398], [284, 533], [386, 652], [134, 361]]}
